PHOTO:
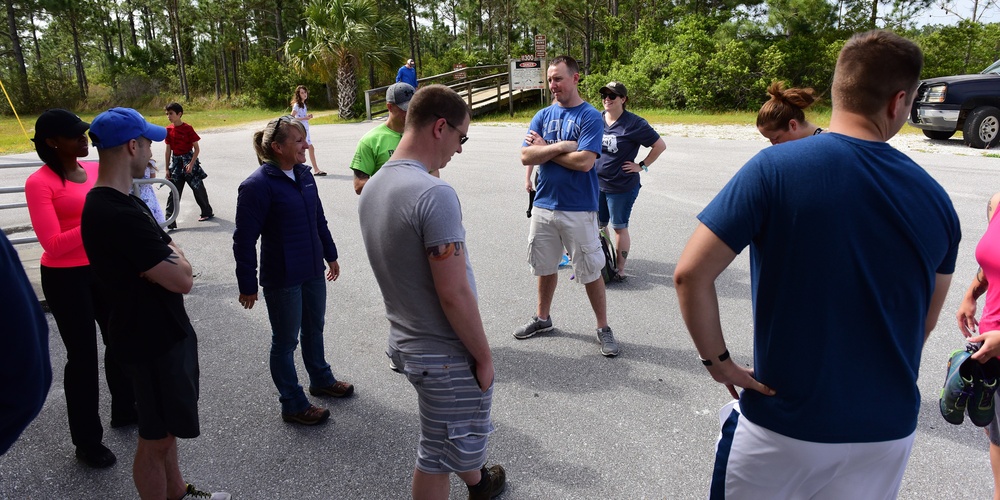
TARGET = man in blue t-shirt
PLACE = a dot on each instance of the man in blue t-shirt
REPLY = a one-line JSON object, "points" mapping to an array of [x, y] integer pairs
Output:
{"points": [[852, 247], [407, 73], [564, 139]]}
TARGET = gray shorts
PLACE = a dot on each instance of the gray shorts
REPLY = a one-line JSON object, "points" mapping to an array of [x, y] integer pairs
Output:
{"points": [[454, 412], [993, 430]]}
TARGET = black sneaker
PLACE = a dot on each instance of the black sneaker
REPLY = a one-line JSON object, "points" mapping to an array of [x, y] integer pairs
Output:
{"points": [[981, 404], [98, 457], [491, 485]]}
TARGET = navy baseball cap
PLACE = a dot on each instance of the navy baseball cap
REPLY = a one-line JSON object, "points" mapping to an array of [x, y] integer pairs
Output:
{"points": [[117, 126]]}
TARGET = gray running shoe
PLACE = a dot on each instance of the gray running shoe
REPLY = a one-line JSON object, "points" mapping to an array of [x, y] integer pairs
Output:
{"points": [[609, 347], [532, 327]]}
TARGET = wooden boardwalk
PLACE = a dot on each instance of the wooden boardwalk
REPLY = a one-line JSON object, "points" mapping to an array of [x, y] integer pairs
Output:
{"points": [[486, 89]]}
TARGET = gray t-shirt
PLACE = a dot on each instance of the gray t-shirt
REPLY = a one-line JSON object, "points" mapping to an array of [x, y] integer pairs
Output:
{"points": [[403, 211]]}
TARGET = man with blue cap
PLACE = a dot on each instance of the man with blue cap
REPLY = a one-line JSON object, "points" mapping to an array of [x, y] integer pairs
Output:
{"points": [[146, 276]]}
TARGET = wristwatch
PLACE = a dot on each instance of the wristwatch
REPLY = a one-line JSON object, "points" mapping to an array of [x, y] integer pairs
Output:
{"points": [[643, 165]]}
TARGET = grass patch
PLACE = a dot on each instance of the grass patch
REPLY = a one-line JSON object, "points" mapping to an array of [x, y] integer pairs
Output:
{"points": [[204, 118], [13, 140]]}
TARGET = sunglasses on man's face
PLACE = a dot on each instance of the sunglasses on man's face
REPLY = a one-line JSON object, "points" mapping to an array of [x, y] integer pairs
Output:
{"points": [[609, 96]]}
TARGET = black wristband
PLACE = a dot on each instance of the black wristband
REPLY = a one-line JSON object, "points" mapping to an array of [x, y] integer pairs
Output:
{"points": [[722, 357]]}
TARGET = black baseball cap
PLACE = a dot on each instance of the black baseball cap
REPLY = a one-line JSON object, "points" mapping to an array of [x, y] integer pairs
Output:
{"points": [[615, 88], [58, 122]]}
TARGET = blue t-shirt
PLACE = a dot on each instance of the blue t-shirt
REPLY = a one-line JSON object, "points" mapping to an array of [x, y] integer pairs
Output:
{"points": [[621, 143], [407, 75], [560, 188], [845, 238]]}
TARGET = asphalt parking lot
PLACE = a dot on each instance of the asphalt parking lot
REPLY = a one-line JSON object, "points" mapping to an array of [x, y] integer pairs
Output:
{"points": [[570, 423]]}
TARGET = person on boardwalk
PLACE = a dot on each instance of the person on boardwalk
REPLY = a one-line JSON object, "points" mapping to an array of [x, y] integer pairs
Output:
{"points": [[56, 193], [852, 247], [183, 166], [782, 118], [407, 73], [279, 204], [564, 139], [617, 172], [25, 368], [378, 144], [302, 115], [146, 275], [411, 224]]}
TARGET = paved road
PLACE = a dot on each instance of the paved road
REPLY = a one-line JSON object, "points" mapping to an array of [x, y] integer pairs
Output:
{"points": [[570, 423]]}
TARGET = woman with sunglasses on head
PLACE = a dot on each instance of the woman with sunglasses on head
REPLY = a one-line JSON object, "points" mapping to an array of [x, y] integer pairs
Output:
{"points": [[781, 118], [279, 204], [617, 171], [55, 194]]}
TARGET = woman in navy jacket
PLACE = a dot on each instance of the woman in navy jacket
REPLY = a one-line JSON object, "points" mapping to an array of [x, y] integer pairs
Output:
{"points": [[280, 205]]}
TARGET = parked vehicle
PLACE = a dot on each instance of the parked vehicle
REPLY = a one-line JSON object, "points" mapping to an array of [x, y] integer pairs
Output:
{"points": [[966, 103]]}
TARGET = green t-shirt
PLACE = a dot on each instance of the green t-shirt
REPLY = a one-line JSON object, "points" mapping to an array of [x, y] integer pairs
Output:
{"points": [[374, 149]]}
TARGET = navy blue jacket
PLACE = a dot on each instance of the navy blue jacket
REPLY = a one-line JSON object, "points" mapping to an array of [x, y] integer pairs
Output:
{"points": [[288, 218], [25, 371]]}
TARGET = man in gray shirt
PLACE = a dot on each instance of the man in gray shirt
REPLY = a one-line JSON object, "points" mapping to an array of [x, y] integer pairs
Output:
{"points": [[411, 223]]}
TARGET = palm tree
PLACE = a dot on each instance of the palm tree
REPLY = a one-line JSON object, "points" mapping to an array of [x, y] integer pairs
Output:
{"points": [[340, 35]]}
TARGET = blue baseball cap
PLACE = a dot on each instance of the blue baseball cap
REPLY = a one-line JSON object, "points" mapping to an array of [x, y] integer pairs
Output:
{"points": [[117, 126]]}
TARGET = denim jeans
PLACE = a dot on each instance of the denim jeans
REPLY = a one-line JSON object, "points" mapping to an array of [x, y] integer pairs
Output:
{"points": [[291, 310]]}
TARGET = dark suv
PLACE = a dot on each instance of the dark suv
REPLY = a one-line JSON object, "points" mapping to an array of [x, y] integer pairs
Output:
{"points": [[970, 103]]}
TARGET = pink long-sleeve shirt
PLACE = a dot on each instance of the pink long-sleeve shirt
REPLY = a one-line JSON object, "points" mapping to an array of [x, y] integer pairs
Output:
{"points": [[55, 210]]}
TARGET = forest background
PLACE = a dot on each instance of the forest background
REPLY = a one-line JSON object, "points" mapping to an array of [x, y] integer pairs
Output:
{"points": [[696, 55]]}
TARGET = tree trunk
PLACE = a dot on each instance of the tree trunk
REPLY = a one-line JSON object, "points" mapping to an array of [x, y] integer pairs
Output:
{"points": [[15, 39], [34, 37], [279, 26], [131, 23], [411, 26], [346, 88], [173, 12], [225, 69], [81, 75]]}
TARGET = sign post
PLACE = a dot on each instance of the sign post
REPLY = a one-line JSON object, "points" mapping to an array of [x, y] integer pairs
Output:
{"points": [[540, 47], [525, 74]]}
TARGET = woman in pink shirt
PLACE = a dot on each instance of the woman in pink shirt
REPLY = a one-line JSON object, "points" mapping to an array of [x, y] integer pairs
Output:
{"points": [[55, 195], [987, 328]]}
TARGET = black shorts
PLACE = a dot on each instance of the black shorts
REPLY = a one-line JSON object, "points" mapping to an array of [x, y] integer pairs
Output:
{"points": [[166, 392]]}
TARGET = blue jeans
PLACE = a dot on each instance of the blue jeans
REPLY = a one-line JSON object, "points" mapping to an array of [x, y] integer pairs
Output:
{"points": [[616, 207], [293, 309]]}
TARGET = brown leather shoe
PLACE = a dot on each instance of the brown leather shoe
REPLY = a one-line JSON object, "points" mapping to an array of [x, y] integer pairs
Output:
{"points": [[340, 389], [313, 415]]}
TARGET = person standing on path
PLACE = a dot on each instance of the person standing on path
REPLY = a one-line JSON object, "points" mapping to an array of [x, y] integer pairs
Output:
{"points": [[146, 275], [378, 144], [302, 115], [617, 172], [411, 224], [183, 166], [279, 204], [56, 194], [564, 139], [852, 248]]}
